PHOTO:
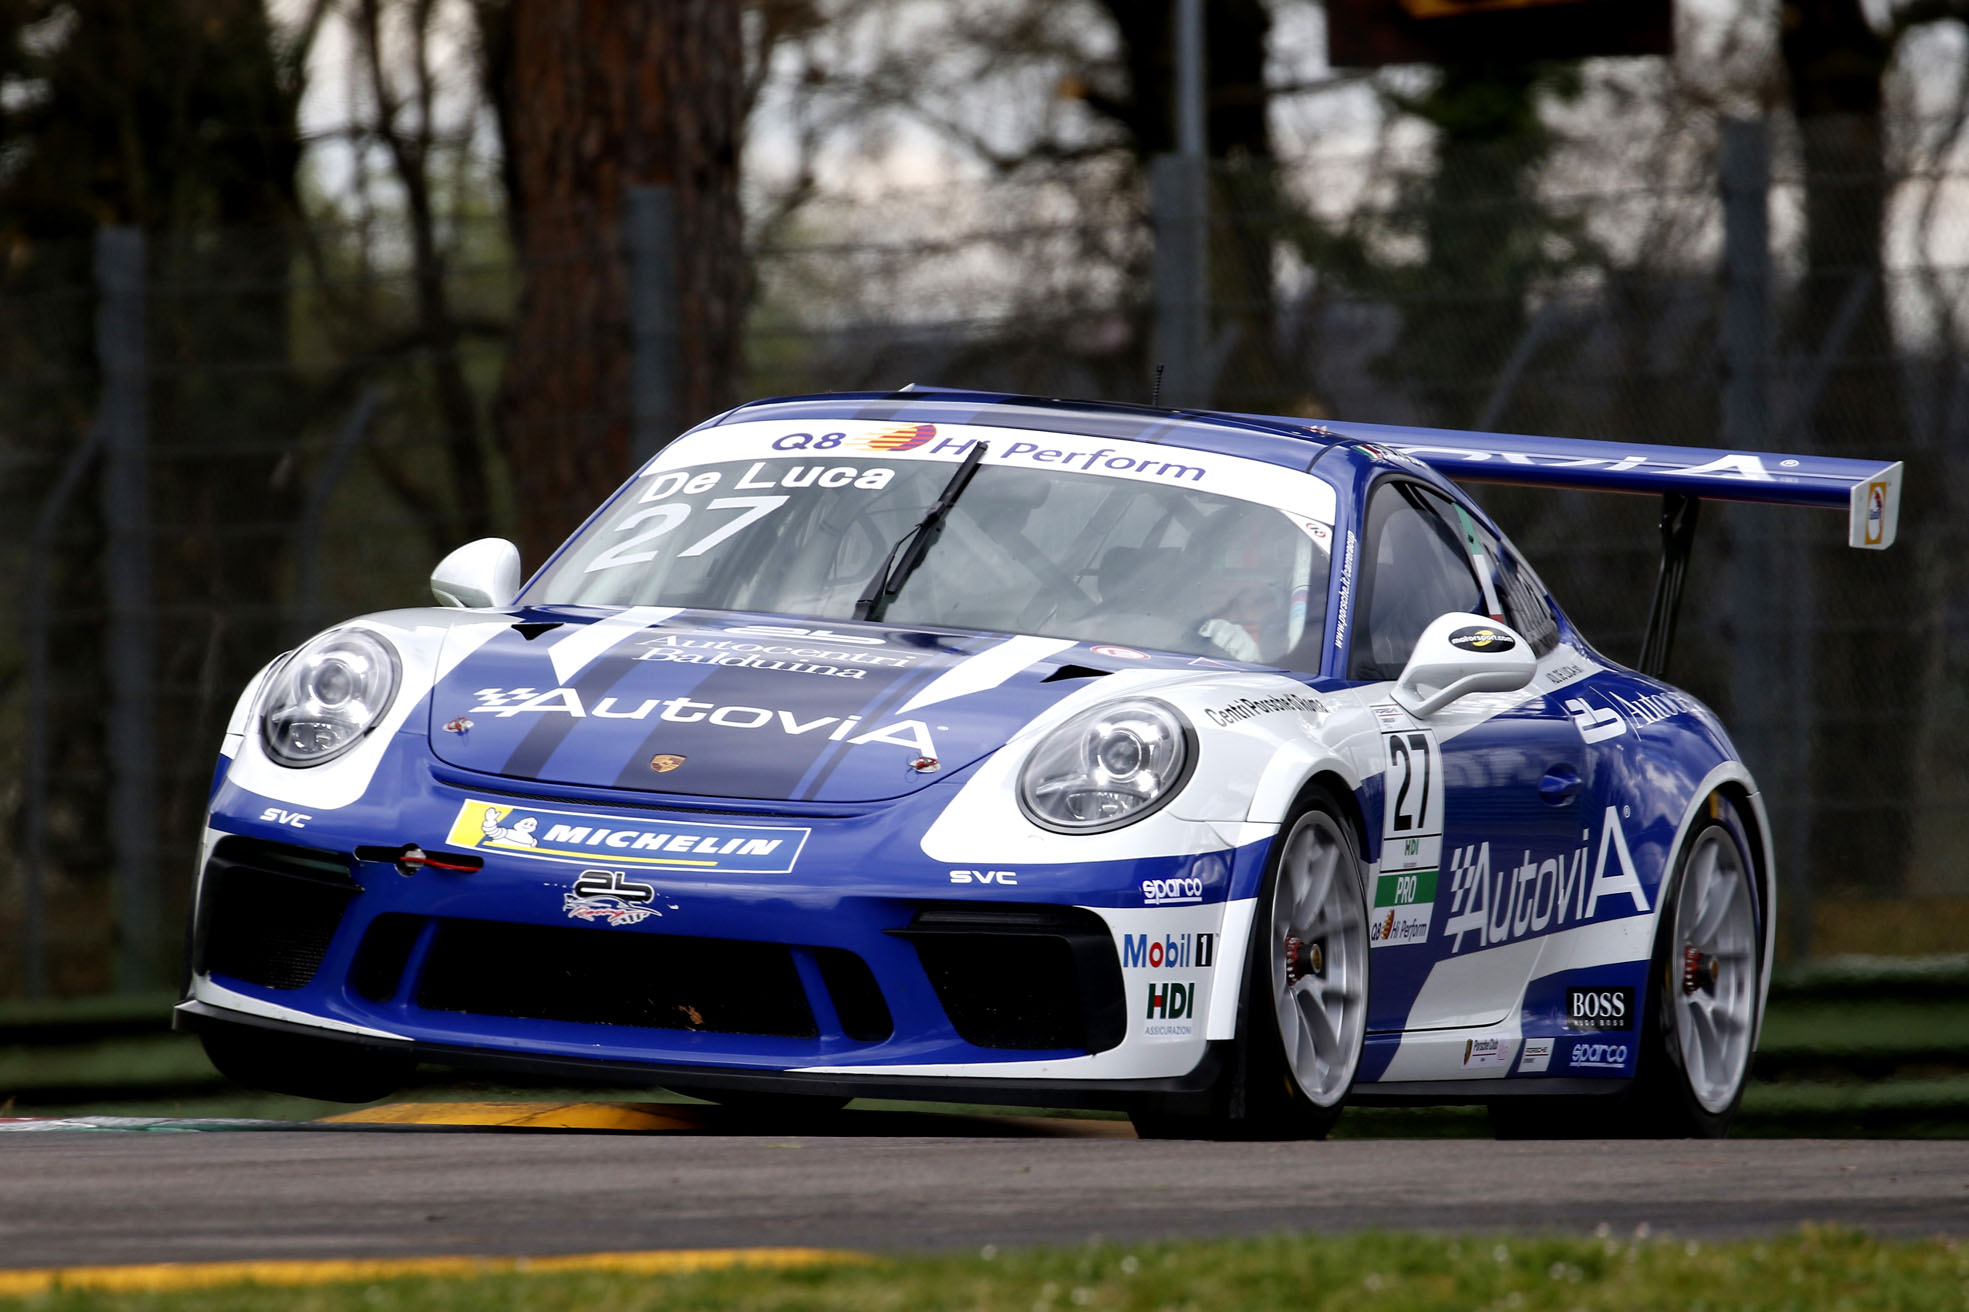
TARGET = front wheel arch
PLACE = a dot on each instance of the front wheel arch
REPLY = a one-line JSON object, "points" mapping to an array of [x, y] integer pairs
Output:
{"points": [[1258, 1094]]}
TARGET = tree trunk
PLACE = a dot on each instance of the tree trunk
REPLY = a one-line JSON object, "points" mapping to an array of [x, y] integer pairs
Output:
{"points": [[608, 97]]}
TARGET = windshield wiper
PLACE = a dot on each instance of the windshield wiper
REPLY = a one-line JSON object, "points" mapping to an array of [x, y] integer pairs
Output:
{"points": [[888, 580]]}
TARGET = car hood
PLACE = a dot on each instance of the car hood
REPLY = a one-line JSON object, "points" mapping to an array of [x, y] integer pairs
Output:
{"points": [[748, 706]]}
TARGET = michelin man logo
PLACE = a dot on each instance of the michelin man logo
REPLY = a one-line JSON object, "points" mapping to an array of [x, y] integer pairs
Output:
{"points": [[519, 834]]}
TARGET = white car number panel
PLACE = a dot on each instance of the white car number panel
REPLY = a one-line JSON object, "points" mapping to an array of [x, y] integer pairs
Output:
{"points": [[1404, 898]]}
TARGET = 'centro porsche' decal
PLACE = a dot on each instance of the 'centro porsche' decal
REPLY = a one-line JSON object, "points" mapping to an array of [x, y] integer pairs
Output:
{"points": [[544, 835]]}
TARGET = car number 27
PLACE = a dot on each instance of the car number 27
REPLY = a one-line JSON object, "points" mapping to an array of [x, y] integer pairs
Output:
{"points": [[1414, 783], [1403, 902]]}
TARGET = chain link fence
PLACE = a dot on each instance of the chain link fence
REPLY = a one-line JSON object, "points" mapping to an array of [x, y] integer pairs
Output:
{"points": [[227, 440]]}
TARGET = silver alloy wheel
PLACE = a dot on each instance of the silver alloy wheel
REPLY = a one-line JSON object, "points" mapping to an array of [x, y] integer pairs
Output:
{"points": [[1713, 976], [1319, 959]]}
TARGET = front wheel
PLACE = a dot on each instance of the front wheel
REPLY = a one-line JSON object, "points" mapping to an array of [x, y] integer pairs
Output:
{"points": [[1303, 1018]]}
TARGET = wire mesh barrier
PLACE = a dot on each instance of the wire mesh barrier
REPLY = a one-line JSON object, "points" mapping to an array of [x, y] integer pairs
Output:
{"points": [[214, 443]]}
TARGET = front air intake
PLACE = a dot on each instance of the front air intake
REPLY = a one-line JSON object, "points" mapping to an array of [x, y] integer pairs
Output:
{"points": [[1023, 977], [267, 911], [602, 977]]}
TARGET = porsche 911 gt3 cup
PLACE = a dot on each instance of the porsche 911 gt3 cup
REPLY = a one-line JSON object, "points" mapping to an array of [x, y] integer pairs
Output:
{"points": [[1219, 768]]}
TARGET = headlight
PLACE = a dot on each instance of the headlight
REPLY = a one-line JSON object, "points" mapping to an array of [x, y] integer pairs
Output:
{"points": [[326, 696], [1107, 767]]}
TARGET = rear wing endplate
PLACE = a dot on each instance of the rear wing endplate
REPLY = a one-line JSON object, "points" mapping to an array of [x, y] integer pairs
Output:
{"points": [[1867, 490]]}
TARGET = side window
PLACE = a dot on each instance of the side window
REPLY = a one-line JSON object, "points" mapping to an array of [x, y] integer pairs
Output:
{"points": [[1526, 607], [1415, 568], [1520, 599]]}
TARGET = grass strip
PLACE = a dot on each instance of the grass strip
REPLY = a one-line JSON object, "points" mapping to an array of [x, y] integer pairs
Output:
{"points": [[1810, 1269], [1891, 978]]}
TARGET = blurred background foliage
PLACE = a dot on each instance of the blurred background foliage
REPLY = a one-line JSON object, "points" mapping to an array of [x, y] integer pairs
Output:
{"points": [[388, 304]]}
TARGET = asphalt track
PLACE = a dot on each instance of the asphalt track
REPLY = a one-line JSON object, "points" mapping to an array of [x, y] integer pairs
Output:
{"points": [[875, 1183]]}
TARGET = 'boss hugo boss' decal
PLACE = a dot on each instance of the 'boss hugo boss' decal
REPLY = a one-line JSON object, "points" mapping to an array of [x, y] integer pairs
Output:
{"points": [[1600, 1009]]}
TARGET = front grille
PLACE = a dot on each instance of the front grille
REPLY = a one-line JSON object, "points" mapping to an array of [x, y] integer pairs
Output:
{"points": [[267, 911], [604, 977], [1030, 978]]}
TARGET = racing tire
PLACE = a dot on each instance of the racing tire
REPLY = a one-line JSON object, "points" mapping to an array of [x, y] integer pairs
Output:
{"points": [[1302, 1016], [305, 1067], [1699, 1022]]}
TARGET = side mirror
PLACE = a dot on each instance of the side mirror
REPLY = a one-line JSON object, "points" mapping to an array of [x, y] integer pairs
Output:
{"points": [[1462, 653], [479, 575]]}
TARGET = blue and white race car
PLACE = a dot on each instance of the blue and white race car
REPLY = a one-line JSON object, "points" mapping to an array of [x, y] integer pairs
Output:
{"points": [[1220, 768]]}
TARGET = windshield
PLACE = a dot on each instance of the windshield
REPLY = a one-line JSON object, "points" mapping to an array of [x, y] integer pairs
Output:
{"points": [[1025, 550]]}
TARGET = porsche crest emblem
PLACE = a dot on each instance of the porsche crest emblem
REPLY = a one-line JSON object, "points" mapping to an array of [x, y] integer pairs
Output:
{"points": [[665, 764]]}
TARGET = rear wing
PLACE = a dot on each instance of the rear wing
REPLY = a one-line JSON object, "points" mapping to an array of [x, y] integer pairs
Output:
{"points": [[1867, 490], [1684, 476]]}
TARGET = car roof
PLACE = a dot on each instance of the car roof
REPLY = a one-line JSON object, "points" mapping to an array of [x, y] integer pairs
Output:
{"points": [[1292, 444]]}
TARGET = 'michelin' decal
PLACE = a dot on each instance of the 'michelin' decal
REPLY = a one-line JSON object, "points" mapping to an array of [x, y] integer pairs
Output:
{"points": [[542, 835]]}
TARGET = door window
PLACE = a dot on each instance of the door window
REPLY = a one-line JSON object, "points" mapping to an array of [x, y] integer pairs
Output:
{"points": [[1520, 598], [1416, 568]]}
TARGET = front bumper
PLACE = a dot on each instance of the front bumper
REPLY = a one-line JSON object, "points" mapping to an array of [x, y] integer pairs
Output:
{"points": [[865, 968], [1169, 1093]]}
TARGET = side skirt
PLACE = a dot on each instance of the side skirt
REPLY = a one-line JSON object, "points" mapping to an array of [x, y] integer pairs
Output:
{"points": [[1429, 1093]]}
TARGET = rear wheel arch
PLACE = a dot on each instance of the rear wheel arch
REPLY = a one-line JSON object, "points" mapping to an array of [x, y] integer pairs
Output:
{"points": [[1744, 800], [1742, 795]]}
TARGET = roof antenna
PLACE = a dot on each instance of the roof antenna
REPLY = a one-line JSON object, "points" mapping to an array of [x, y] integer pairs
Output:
{"points": [[1156, 391]]}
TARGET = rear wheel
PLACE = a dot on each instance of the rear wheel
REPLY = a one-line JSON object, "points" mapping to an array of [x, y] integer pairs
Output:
{"points": [[1303, 1018], [1701, 1010], [1695, 1050], [305, 1067]]}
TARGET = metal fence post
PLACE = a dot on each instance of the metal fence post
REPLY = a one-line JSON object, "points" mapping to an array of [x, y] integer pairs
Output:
{"points": [[1179, 204], [130, 748], [649, 226], [1766, 576], [1180, 279]]}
